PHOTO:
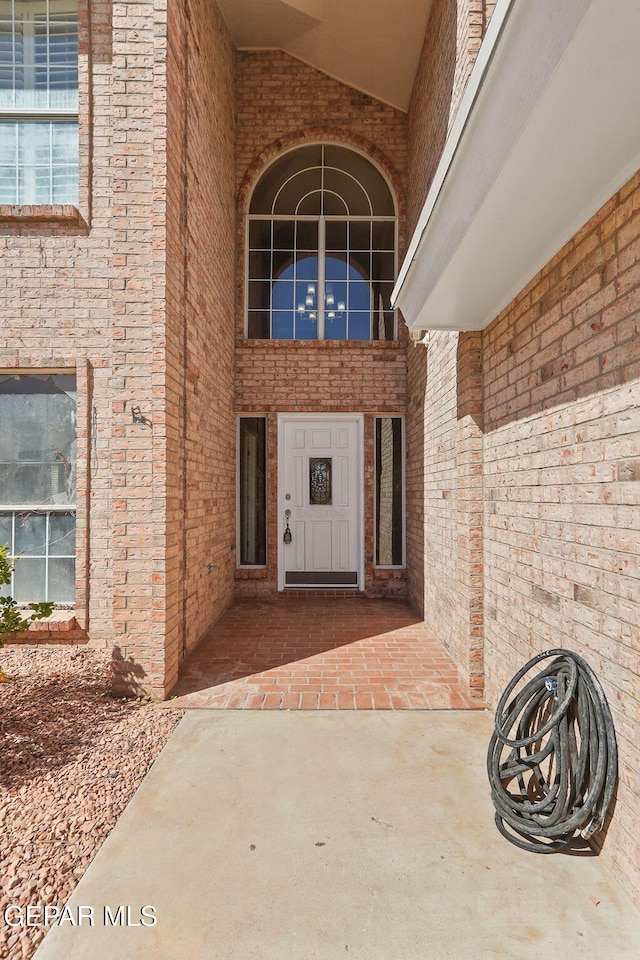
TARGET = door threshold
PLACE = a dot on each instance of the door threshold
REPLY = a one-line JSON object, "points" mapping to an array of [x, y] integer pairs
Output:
{"points": [[322, 586]]}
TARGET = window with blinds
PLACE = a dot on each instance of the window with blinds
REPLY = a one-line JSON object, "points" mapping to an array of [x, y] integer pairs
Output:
{"points": [[38, 101]]}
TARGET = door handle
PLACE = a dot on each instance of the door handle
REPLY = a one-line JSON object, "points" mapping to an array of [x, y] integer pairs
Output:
{"points": [[287, 530]]}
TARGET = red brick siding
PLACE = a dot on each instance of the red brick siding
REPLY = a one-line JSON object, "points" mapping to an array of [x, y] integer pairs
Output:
{"points": [[278, 95], [467, 642], [56, 311], [93, 294], [453, 38], [562, 481], [107, 319], [138, 451], [332, 375], [431, 105], [281, 103], [444, 494], [414, 476], [200, 326], [444, 422]]}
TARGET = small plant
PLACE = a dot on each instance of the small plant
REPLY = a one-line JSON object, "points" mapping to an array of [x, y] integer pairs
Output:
{"points": [[11, 619]]}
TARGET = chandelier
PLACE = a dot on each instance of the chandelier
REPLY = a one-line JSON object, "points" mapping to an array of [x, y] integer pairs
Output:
{"points": [[311, 306]]}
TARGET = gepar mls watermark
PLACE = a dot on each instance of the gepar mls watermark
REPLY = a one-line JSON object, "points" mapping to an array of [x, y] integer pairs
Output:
{"points": [[45, 915]]}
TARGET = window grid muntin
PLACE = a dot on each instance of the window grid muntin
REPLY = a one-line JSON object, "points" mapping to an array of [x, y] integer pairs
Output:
{"points": [[371, 183], [17, 511], [39, 166], [322, 190], [39, 87], [321, 253], [321, 155]]}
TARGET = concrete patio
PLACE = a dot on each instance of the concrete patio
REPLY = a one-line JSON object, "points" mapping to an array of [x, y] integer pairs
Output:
{"points": [[289, 835]]}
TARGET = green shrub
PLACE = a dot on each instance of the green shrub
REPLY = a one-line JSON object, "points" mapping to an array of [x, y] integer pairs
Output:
{"points": [[13, 620]]}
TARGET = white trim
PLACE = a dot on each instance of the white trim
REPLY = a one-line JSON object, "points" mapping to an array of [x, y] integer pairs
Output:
{"points": [[38, 508], [323, 143], [15, 512], [548, 136], [485, 55], [357, 418]]}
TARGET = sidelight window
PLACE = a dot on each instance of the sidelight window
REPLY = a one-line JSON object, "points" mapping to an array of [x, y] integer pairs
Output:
{"points": [[252, 470], [389, 492]]}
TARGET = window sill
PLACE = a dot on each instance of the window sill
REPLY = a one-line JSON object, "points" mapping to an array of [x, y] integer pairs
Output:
{"points": [[60, 621], [47, 214], [60, 627]]}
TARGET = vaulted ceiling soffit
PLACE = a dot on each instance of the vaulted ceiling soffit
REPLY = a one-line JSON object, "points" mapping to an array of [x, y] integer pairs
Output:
{"points": [[364, 44]]}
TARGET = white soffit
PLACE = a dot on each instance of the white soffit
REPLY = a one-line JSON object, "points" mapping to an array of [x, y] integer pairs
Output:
{"points": [[548, 130], [371, 45]]}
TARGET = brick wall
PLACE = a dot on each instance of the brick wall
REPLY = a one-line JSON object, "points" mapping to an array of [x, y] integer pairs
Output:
{"points": [[454, 34], [138, 450], [524, 459], [57, 289], [200, 325], [444, 494], [88, 293], [282, 103], [431, 107], [99, 289], [332, 375], [562, 482], [444, 422], [278, 95]]}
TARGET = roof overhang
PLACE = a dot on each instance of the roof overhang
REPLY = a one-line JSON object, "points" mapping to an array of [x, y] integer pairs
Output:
{"points": [[547, 131], [371, 46]]}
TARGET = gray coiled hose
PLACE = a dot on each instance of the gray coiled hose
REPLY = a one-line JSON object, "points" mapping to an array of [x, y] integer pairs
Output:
{"points": [[559, 774]]}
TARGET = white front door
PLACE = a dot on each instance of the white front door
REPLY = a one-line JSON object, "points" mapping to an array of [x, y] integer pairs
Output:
{"points": [[320, 501]]}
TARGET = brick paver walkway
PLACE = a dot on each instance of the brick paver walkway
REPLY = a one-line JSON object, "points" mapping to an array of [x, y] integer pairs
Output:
{"points": [[313, 654]]}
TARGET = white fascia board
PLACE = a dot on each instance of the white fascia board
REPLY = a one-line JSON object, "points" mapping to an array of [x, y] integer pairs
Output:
{"points": [[552, 132]]}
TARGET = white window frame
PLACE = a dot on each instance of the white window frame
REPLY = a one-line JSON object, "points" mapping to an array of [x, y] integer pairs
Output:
{"points": [[47, 510], [17, 509], [43, 114], [321, 220], [321, 254]]}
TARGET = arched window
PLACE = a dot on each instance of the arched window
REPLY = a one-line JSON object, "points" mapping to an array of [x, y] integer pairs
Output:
{"points": [[321, 249]]}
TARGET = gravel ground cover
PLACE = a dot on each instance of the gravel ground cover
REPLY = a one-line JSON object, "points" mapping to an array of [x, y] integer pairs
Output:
{"points": [[71, 758]]}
